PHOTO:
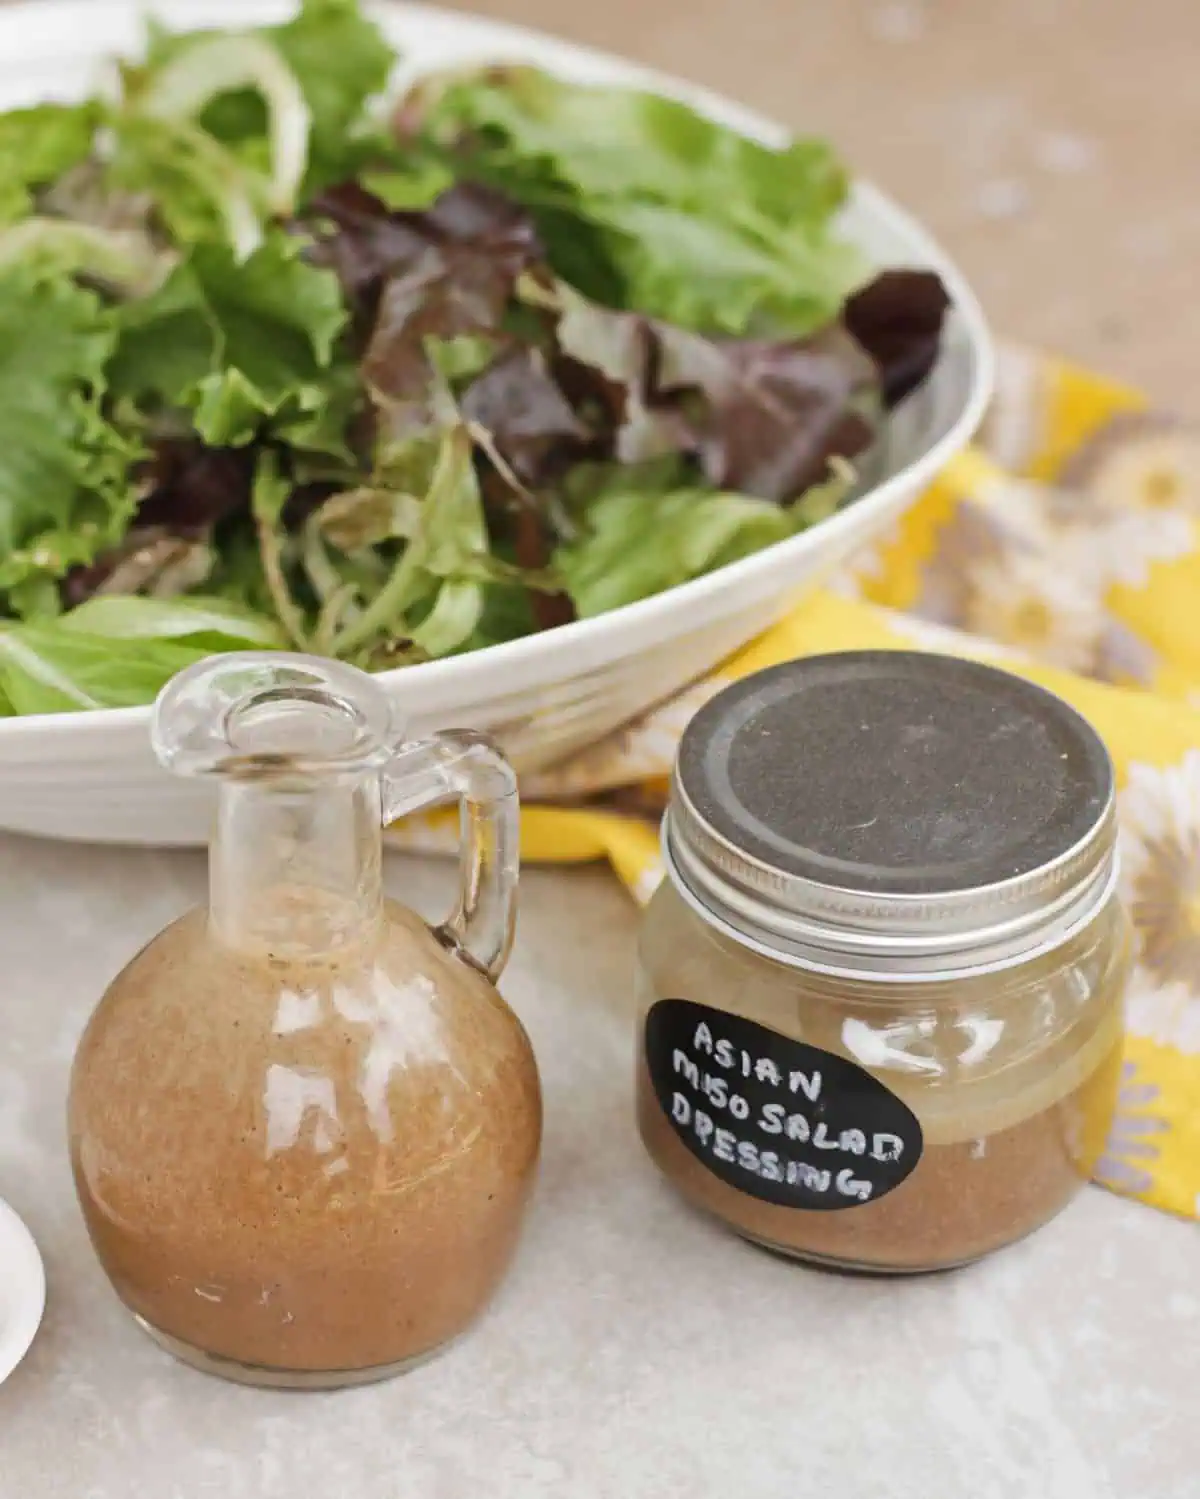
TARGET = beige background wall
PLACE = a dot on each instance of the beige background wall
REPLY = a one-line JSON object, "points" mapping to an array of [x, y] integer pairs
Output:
{"points": [[1054, 145]]}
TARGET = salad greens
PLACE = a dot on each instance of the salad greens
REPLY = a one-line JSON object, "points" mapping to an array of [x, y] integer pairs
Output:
{"points": [[686, 219], [285, 365]]}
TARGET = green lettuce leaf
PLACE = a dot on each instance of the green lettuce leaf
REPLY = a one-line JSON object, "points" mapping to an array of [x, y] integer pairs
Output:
{"points": [[280, 106], [341, 60], [214, 622], [65, 488], [240, 346], [507, 614], [45, 669], [118, 652], [199, 189], [707, 273], [410, 180], [644, 202], [121, 260], [37, 146], [433, 596], [638, 539], [204, 186], [616, 143]]}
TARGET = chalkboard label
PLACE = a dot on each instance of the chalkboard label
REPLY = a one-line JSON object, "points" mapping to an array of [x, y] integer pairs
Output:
{"points": [[789, 1123]]}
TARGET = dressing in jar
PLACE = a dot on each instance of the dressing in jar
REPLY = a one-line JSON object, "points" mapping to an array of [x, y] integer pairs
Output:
{"points": [[880, 989]]}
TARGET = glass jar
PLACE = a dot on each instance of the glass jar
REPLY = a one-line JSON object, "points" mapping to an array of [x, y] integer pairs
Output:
{"points": [[880, 990], [304, 1125]]}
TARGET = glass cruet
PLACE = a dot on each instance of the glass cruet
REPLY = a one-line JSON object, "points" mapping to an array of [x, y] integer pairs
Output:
{"points": [[304, 1125]]}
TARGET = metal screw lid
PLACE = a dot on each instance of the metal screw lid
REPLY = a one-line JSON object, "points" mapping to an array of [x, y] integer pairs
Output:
{"points": [[892, 812]]}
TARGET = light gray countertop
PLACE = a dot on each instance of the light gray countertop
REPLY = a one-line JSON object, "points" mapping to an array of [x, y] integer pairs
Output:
{"points": [[637, 1352]]}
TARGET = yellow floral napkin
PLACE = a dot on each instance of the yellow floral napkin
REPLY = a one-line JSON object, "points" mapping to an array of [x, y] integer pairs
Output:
{"points": [[1065, 546]]}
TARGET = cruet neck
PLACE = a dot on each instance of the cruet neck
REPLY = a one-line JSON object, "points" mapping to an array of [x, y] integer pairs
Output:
{"points": [[296, 745], [310, 764], [295, 867]]}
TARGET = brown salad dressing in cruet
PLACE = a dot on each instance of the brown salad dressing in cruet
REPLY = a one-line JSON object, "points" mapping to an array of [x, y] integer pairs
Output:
{"points": [[304, 1125]]}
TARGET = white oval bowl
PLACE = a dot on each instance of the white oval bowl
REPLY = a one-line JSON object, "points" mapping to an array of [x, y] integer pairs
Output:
{"points": [[91, 776]]}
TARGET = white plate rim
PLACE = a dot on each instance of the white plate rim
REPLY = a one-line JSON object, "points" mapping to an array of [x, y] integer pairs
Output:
{"points": [[26, 23], [24, 1275]]}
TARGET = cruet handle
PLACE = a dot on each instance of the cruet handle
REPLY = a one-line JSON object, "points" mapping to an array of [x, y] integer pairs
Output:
{"points": [[467, 766]]}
